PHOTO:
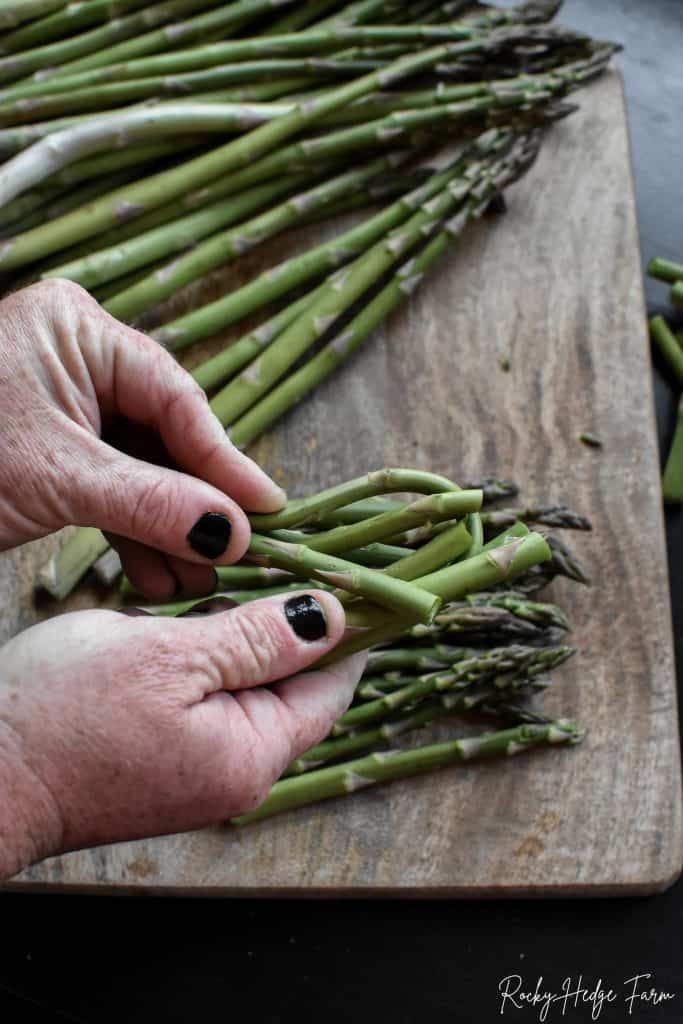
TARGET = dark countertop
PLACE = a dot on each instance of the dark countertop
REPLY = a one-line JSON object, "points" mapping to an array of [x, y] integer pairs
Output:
{"points": [[103, 959]]}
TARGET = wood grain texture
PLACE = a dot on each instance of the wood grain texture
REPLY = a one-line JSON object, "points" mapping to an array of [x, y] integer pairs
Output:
{"points": [[555, 287]]}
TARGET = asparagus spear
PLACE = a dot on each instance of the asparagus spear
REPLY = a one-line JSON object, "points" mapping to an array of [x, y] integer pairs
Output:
{"points": [[16, 12], [428, 711], [221, 247], [432, 507], [61, 574], [162, 187], [347, 777], [215, 23], [394, 594], [261, 374], [65, 22], [97, 41], [186, 232]]}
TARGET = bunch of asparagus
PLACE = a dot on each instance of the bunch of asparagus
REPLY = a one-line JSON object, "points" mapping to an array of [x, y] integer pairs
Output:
{"points": [[425, 584], [670, 345]]}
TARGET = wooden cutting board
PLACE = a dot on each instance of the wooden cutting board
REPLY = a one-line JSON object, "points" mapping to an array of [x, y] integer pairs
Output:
{"points": [[555, 288]]}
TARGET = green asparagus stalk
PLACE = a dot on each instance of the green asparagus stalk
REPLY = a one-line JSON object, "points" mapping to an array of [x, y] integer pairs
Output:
{"points": [[61, 148], [186, 232], [347, 777], [214, 24], [451, 584], [43, 106], [432, 507], [310, 510], [396, 595], [677, 294], [340, 291], [305, 13], [97, 41], [66, 22], [163, 187], [667, 344], [665, 270], [414, 659], [166, 67], [240, 393], [220, 248], [16, 12], [672, 481], [557, 516]]}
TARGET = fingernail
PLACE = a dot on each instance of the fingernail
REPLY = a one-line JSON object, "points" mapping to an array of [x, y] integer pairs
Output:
{"points": [[210, 535], [306, 617]]}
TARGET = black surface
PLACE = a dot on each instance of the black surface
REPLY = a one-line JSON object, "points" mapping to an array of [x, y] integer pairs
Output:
{"points": [[100, 959]]}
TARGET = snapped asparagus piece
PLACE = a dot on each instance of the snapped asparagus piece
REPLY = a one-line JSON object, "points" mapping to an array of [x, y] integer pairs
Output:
{"points": [[350, 776], [665, 270], [672, 481], [666, 342]]}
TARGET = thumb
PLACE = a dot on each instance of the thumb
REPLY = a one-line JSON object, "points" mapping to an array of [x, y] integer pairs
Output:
{"points": [[158, 507]]}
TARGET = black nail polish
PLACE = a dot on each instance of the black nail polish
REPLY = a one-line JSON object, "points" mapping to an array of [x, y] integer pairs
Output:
{"points": [[210, 535], [306, 617]]}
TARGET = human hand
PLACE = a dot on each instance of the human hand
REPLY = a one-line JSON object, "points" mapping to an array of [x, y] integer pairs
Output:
{"points": [[69, 372], [144, 726]]}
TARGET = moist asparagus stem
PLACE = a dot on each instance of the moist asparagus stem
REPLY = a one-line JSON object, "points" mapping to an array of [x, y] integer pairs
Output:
{"points": [[350, 776]]}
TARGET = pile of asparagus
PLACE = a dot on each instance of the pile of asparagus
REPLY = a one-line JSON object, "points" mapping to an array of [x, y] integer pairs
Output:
{"points": [[427, 585], [670, 345]]}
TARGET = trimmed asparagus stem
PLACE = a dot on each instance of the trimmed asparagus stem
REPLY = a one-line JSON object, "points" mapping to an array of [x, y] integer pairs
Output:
{"points": [[451, 584], [240, 393], [105, 265], [222, 247], [665, 270], [384, 767], [672, 481], [433, 507], [61, 574], [309, 510], [667, 344], [164, 186], [393, 594], [97, 41], [677, 294]]}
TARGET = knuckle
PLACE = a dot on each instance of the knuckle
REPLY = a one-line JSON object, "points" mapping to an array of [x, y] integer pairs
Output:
{"points": [[257, 640], [156, 506], [56, 291]]}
